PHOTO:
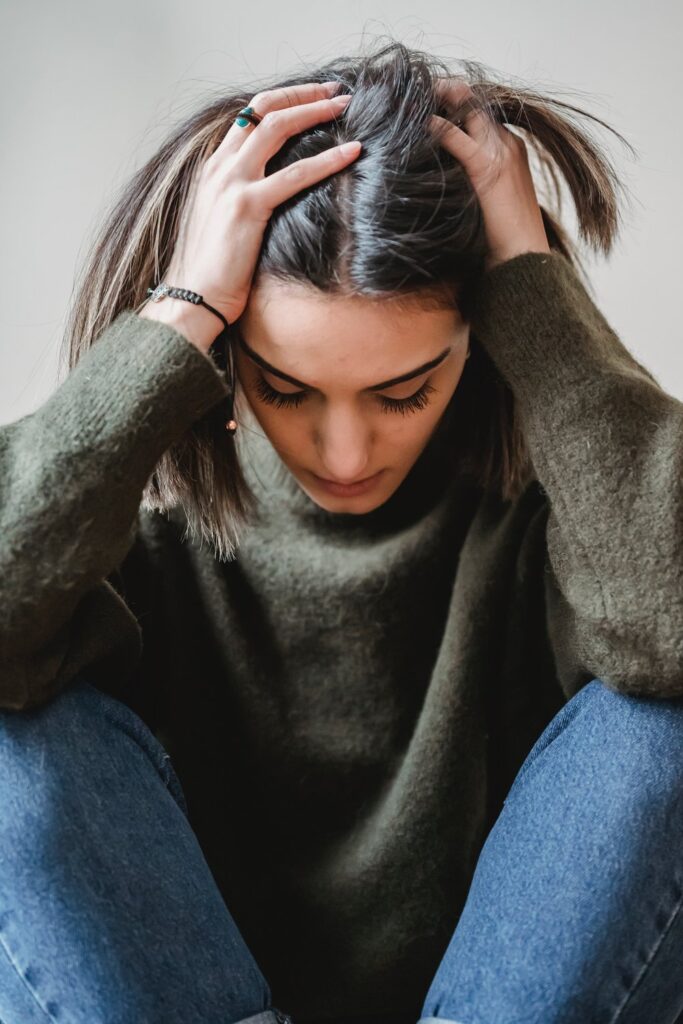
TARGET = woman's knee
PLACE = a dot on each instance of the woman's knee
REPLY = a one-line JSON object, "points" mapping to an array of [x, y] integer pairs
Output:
{"points": [[642, 734], [100, 867], [627, 744], [59, 752]]}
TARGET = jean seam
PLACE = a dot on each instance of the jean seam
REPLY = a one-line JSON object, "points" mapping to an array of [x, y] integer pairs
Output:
{"points": [[139, 732], [33, 994], [648, 962]]}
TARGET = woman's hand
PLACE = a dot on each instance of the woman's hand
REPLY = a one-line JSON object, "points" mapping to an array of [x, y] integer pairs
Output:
{"points": [[497, 164], [217, 253]]}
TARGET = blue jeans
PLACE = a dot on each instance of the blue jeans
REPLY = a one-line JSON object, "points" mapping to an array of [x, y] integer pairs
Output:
{"points": [[109, 912]]}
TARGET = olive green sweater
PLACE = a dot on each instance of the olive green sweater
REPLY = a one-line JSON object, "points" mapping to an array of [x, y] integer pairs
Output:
{"points": [[348, 701]]}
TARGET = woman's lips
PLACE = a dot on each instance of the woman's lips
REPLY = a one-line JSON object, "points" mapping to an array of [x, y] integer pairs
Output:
{"points": [[348, 490]]}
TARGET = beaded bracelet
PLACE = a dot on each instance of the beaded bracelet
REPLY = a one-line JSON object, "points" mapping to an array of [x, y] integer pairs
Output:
{"points": [[218, 348]]}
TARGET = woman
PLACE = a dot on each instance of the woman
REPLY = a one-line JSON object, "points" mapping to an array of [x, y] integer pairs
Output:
{"points": [[403, 740]]}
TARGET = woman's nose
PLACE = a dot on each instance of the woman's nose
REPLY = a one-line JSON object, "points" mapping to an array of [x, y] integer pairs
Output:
{"points": [[344, 449]]}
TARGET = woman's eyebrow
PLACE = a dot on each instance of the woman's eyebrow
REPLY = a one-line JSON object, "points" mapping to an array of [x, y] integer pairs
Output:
{"points": [[260, 361]]}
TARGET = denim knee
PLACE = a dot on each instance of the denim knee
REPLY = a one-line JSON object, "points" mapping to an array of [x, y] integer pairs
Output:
{"points": [[77, 725], [620, 736], [575, 905], [107, 904]]}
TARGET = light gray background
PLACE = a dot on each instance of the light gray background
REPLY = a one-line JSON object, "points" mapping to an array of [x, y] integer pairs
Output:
{"points": [[88, 90]]}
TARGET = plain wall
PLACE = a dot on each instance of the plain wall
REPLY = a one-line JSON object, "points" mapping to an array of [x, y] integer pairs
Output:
{"points": [[89, 90]]}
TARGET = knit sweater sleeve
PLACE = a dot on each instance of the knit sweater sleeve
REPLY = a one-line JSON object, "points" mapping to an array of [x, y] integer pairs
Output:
{"points": [[71, 480], [606, 442]]}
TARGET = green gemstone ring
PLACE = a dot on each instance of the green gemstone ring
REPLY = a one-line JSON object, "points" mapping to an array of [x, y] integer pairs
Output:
{"points": [[247, 116]]}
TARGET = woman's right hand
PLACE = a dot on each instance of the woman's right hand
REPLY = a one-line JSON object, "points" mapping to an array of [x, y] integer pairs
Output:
{"points": [[218, 248]]}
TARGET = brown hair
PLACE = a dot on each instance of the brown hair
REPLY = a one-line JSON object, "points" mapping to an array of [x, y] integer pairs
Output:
{"points": [[401, 222]]}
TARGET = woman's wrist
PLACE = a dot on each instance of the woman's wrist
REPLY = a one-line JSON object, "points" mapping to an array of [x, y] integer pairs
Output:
{"points": [[197, 323]]}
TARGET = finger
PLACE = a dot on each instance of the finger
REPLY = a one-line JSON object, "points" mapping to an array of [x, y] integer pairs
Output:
{"points": [[454, 139], [482, 163], [275, 99], [466, 107], [277, 127], [478, 160], [281, 185]]}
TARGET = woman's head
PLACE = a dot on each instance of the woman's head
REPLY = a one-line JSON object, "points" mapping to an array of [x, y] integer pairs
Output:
{"points": [[347, 387], [362, 278]]}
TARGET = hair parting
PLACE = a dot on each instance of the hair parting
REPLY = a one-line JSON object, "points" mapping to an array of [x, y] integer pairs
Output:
{"points": [[401, 223]]}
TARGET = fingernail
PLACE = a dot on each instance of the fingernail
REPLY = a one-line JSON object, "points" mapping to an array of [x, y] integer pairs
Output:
{"points": [[341, 100], [349, 147]]}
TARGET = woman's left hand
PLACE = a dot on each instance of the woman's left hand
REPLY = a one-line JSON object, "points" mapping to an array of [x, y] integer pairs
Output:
{"points": [[497, 164]]}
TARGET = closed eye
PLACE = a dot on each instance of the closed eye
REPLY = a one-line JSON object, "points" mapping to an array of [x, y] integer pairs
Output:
{"points": [[293, 399]]}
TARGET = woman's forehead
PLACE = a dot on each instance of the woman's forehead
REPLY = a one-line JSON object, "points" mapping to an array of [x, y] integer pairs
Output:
{"points": [[297, 319], [325, 342]]}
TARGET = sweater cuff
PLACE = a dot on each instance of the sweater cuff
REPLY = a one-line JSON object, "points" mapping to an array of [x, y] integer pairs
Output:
{"points": [[145, 366], [536, 320]]}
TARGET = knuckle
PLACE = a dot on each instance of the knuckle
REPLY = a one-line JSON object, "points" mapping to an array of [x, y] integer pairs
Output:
{"points": [[296, 172], [243, 200], [274, 120], [209, 166], [218, 174]]}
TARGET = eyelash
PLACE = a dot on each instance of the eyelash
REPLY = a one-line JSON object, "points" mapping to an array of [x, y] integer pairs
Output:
{"points": [[280, 399]]}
